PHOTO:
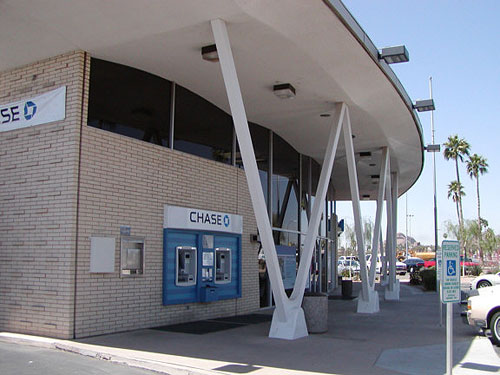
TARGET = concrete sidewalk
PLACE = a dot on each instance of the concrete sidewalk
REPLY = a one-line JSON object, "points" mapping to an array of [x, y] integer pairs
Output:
{"points": [[403, 338]]}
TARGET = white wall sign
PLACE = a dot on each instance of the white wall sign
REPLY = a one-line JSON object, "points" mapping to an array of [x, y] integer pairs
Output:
{"points": [[195, 219], [450, 274], [41, 109]]}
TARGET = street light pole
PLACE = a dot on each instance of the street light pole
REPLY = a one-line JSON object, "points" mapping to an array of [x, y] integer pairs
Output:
{"points": [[438, 266], [406, 228]]}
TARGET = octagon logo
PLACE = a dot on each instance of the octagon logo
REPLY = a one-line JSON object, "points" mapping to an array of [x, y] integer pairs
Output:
{"points": [[226, 220], [29, 110]]}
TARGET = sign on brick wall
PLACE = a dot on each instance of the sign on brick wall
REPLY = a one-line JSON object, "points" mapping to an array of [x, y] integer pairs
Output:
{"points": [[41, 109]]}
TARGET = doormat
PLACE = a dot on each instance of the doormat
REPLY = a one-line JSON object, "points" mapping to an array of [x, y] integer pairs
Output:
{"points": [[341, 297], [202, 327]]}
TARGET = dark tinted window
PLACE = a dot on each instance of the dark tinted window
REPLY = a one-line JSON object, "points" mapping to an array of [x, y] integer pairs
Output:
{"points": [[130, 102], [201, 128]]}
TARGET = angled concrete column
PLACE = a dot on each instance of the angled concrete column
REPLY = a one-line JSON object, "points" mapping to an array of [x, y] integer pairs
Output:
{"points": [[392, 290], [288, 318], [368, 299], [378, 216]]}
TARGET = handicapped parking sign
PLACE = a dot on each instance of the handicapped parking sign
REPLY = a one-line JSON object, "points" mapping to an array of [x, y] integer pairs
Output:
{"points": [[450, 276], [451, 268]]}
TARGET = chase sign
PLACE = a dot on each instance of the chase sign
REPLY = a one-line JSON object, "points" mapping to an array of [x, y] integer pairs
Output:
{"points": [[41, 109], [195, 219]]}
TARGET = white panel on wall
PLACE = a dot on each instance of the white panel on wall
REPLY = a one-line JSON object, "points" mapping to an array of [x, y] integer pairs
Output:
{"points": [[102, 254]]}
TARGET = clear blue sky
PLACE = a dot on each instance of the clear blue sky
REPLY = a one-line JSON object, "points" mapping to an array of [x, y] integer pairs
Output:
{"points": [[457, 43]]}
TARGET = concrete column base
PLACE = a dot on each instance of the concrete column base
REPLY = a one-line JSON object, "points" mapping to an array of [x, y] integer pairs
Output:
{"points": [[370, 306], [293, 328], [392, 295]]}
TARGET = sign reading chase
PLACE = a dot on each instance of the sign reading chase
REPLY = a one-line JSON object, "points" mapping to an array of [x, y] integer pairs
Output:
{"points": [[41, 109], [192, 218]]}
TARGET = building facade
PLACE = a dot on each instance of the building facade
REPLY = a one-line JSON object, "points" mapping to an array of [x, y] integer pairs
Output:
{"points": [[84, 195]]}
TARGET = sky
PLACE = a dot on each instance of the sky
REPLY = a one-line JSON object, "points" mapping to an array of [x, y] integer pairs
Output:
{"points": [[456, 42]]}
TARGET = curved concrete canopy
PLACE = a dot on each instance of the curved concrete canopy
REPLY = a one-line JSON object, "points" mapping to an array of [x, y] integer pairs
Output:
{"points": [[314, 45]]}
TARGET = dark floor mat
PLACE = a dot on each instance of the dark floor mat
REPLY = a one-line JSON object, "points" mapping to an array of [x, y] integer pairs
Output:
{"points": [[200, 327], [341, 297], [246, 319]]}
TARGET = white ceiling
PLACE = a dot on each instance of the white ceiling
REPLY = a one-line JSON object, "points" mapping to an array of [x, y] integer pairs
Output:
{"points": [[296, 41]]}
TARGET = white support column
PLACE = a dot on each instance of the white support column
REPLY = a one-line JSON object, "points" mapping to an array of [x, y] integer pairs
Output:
{"points": [[315, 218], [392, 291], [368, 299], [288, 319], [250, 164], [378, 215], [389, 229]]}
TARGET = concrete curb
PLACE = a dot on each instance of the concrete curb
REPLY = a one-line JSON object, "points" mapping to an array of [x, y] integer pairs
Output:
{"points": [[99, 352]]}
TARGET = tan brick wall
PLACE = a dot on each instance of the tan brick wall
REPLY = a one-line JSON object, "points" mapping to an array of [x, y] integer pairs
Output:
{"points": [[127, 182], [122, 182], [38, 185]]}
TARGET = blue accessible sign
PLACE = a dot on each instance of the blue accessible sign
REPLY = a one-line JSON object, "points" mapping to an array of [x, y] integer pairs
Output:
{"points": [[450, 272]]}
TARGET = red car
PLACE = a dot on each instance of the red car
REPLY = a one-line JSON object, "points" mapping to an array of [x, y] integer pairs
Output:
{"points": [[468, 262]]}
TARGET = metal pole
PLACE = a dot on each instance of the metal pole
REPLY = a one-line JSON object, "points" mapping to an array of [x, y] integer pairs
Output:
{"points": [[449, 338], [438, 286], [406, 227]]}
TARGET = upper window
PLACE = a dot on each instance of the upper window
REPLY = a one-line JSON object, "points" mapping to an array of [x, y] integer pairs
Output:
{"points": [[130, 102], [201, 128]]}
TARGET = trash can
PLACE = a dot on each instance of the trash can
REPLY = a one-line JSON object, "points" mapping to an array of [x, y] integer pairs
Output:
{"points": [[346, 289], [315, 306]]}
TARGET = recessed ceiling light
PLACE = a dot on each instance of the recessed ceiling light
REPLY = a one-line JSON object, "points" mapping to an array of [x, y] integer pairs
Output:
{"points": [[209, 53], [284, 91]]}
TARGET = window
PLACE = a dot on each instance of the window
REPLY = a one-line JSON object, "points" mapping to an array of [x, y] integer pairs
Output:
{"points": [[129, 101]]}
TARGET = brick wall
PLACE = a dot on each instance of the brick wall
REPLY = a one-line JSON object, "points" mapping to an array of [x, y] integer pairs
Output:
{"points": [[127, 182], [117, 181], [38, 186], [124, 181]]}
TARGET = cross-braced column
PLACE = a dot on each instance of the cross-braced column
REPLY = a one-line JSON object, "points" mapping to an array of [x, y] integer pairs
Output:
{"points": [[384, 168], [368, 299], [288, 319], [392, 289]]}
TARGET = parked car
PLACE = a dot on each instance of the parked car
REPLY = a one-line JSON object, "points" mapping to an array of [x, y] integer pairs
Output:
{"points": [[414, 264], [348, 257], [485, 281], [353, 265], [401, 268], [430, 263], [369, 263], [483, 311]]}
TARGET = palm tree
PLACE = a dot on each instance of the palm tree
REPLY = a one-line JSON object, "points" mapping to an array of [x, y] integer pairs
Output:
{"points": [[456, 192], [456, 148], [477, 165]]}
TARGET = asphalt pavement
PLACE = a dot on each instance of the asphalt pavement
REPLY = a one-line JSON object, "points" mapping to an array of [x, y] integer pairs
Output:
{"points": [[403, 338]]}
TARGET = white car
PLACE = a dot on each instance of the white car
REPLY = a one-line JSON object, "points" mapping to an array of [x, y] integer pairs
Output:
{"points": [[485, 280], [353, 265], [483, 311], [378, 267]]}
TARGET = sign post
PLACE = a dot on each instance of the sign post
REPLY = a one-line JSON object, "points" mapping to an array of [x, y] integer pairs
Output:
{"points": [[439, 258], [450, 292]]}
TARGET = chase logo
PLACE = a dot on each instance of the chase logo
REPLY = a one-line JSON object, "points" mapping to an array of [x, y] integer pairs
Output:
{"points": [[226, 220], [29, 110]]}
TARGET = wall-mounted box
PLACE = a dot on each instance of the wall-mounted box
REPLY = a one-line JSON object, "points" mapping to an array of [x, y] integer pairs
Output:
{"points": [[132, 256], [102, 254]]}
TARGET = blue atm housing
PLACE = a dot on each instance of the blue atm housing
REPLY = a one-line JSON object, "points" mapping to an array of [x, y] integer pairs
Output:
{"points": [[203, 288]]}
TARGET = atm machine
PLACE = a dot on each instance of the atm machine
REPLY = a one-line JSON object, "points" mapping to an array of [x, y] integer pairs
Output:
{"points": [[201, 256]]}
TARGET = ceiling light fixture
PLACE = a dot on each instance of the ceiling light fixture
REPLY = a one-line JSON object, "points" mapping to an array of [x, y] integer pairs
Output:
{"points": [[209, 53], [284, 91], [365, 155]]}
